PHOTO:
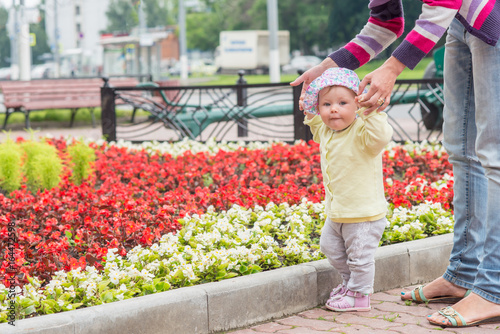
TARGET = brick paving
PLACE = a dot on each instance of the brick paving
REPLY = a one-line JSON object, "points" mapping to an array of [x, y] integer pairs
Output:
{"points": [[56, 132], [388, 315]]}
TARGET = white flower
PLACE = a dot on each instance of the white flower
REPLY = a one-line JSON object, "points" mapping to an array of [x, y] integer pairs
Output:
{"points": [[114, 277]]}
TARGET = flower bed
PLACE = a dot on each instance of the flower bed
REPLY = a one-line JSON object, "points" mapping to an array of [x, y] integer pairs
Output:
{"points": [[160, 216]]}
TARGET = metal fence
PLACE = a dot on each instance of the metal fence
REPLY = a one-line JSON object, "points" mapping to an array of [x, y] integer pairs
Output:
{"points": [[250, 112]]}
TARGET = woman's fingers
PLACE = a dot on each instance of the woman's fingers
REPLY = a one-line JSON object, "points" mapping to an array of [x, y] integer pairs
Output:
{"points": [[308, 76]]}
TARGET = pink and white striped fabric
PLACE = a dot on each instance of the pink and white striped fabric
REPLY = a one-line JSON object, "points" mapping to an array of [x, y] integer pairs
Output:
{"points": [[386, 24]]}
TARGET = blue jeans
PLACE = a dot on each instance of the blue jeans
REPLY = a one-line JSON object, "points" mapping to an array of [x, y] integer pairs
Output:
{"points": [[472, 140]]}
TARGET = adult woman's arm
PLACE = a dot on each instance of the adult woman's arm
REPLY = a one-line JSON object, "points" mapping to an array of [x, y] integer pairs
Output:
{"points": [[384, 26]]}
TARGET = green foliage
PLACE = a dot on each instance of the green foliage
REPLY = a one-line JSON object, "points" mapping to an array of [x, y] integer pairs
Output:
{"points": [[346, 20], [202, 31], [4, 38], [42, 166], [122, 16], [81, 158], [10, 166], [313, 24], [156, 15], [307, 22], [203, 27]]}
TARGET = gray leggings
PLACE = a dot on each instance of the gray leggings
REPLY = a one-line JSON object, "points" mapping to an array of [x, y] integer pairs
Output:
{"points": [[350, 248]]}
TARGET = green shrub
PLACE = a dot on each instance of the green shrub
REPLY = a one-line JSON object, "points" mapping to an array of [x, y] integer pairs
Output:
{"points": [[81, 158], [42, 165], [10, 166]]}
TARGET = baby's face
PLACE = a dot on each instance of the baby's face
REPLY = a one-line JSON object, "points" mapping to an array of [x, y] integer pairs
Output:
{"points": [[337, 107]]}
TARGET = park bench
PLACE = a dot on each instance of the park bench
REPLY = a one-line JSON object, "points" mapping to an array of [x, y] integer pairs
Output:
{"points": [[72, 94]]}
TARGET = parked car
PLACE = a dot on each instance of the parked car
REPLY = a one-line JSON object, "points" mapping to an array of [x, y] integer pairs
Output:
{"points": [[43, 71], [5, 73], [175, 70], [203, 67], [300, 63]]}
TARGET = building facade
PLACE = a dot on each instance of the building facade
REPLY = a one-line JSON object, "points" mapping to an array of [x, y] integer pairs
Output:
{"points": [[74, 26]]}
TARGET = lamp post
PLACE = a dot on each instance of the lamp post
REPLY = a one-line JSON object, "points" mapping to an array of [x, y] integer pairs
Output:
{"points": [[182, 40], [23, 42], [14, 35], [274, 54], [57, 58]]}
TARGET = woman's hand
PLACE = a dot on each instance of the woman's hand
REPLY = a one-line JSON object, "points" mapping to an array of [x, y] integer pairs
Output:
{"points": [[381, 83], [308, 76], [309, 115]]}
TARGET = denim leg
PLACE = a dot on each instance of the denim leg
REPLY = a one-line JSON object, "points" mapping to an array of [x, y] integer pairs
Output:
{"points": [[486, 65], [470, 185]]}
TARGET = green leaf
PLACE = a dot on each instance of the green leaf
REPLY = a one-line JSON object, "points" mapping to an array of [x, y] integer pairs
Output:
{"points": [[26, 302], [102, 286], [107, 296], [76, 305], [29, 310], [230, 275]]}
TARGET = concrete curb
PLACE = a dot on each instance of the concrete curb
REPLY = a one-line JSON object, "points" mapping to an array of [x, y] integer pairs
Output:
{"points": [[242, 301]]}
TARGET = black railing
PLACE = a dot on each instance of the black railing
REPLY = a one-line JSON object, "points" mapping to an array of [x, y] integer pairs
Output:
{"points": [[250, 112]]}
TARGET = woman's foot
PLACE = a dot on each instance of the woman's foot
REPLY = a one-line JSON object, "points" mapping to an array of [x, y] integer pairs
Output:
{"points": [[438, 288], [472, 308]]}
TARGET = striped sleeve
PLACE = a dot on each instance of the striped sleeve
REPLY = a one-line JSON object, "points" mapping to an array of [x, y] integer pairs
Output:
{"points": [[384, 26], [432, 23]]}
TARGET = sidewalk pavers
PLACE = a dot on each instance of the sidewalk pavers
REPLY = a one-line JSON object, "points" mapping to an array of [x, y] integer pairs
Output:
{"points": [[389, 314]]}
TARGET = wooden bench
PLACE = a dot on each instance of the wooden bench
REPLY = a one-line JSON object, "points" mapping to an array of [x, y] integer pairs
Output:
{"points": [[72, 94]]}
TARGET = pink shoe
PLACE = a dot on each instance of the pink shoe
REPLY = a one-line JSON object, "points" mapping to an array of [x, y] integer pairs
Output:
{"points": [[343, 304], [338, 292]]}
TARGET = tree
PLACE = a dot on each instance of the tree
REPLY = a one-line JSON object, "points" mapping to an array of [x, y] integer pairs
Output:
{"points": [[122, 16], [202, 31], [156, 15], [314, 25], [307, 22], [4, 38], [346, 19], [203, 28]]}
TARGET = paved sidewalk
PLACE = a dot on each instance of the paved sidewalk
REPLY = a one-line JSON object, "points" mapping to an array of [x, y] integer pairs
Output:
{"points": [[388, 315]]}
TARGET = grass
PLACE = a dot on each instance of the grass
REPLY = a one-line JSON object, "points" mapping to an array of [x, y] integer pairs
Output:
{"points": [[63, 116], [417, 73]]}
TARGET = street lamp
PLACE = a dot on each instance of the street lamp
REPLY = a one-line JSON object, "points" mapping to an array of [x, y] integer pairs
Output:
{"points": [[182, 40], [274, 54]]}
